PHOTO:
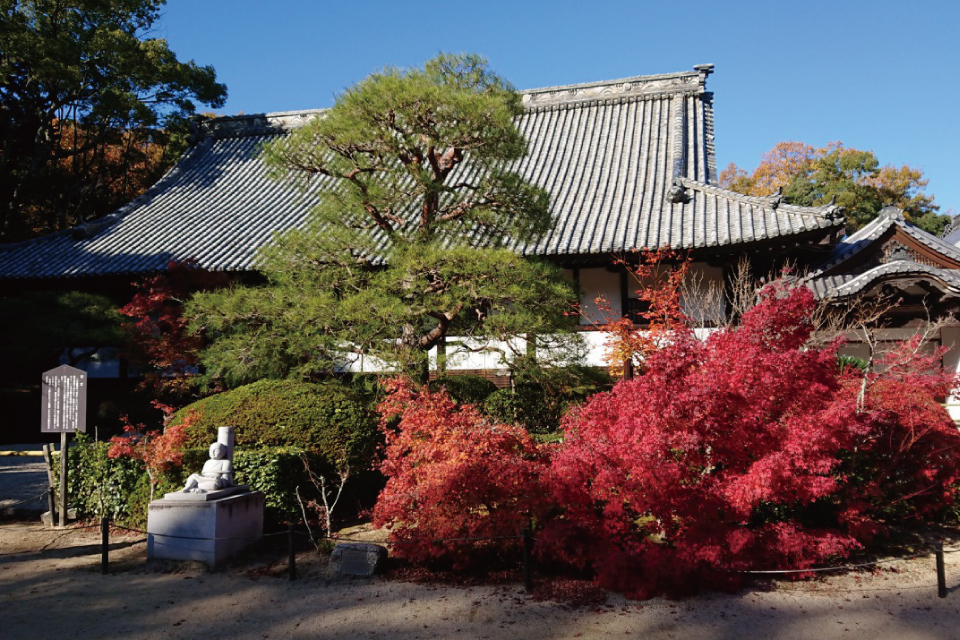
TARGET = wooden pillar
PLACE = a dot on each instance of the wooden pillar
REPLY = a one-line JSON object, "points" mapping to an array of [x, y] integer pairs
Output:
{"points": [[63, 479]]}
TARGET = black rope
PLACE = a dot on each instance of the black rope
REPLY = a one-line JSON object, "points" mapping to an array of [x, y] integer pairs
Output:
{"points": [[17, 504], [843, 567], [428, 541]]}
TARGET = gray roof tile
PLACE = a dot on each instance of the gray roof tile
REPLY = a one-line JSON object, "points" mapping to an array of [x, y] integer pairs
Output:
{"points": [[608, 153]]}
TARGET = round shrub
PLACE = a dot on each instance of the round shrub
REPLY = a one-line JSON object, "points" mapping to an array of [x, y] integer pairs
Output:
{"points": [[326, 419]]}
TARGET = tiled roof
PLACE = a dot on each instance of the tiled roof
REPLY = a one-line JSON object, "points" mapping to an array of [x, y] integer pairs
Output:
{"points": [[830, 279], [628, 164]]}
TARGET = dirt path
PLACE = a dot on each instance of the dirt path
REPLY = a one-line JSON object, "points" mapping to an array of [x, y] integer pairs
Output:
{"points": [[23, 481], [51, 587]]}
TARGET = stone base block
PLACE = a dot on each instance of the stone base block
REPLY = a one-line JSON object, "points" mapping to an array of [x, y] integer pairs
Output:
{"points": [[205, 531], [356, 558], [204, 496]]}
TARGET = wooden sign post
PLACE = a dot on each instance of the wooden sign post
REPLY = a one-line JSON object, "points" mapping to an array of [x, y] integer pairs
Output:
{"points": [[63, 411]]}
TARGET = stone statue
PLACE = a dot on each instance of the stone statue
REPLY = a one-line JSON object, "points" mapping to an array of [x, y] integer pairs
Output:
{"points": [[217, 472]]}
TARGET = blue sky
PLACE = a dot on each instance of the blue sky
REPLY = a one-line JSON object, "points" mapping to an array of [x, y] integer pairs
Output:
{"points": [[878, 75]]}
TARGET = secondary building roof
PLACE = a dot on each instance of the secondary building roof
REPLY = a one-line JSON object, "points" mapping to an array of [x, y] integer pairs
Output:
{"points": [[889, 251], [628, 164]]}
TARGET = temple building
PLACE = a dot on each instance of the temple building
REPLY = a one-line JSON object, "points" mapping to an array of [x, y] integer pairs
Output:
{"points": [[630, 165]]}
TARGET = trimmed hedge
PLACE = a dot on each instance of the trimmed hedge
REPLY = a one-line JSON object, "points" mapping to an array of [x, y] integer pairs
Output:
{"points": [[100, 486], [329, 420]]}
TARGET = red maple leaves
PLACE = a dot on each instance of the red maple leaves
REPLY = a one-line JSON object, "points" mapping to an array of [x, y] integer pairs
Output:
{"points": [[160, 334], [747, 450], [460, 487]]}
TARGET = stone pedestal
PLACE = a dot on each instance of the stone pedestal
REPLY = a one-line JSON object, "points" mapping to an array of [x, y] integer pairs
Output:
{"points": [[201, 529]]}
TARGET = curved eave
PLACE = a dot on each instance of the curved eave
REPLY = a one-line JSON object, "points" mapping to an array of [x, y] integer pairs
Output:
{"points": [[864, 237], [947, 280]]}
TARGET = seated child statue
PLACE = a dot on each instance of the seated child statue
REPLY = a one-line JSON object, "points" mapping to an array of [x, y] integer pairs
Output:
{"points": [[217, 472]]}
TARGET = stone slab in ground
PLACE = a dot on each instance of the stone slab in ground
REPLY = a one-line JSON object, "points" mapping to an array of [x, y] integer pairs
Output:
{"points": [[357, 559]]}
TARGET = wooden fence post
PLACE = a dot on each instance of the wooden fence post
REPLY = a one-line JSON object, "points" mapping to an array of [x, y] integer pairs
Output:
{"points": [[63, 478], [527, 552], [941, 573], [292, 556], [104, 546], [51, 484]]}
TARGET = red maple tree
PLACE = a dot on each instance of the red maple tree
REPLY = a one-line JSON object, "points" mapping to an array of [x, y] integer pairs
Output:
{"points": [[747, 451], [160, 451], [160, 336], [459, 487]]}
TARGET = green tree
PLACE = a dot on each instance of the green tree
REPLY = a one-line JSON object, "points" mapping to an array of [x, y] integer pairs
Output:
{"points": [[810, 176], [83, 92], [407, 244]]}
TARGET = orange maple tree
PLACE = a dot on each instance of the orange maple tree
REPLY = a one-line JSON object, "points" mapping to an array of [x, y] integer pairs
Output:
{"points": [[659, 276], [810, 175], [459, 486]]}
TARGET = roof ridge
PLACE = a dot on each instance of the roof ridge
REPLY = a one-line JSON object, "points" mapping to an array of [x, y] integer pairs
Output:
{"points": [[866, 235], [859, 282], [682, 82], [257, 124], [649, 85]]}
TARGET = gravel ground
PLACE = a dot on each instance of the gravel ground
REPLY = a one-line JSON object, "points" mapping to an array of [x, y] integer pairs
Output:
{"points": [[51, 587], [23, 481]]}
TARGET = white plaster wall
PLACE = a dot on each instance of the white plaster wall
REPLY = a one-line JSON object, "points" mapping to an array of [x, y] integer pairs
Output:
{"points": [[596, 348], [950, 338], [599, 282], [468, 353]]}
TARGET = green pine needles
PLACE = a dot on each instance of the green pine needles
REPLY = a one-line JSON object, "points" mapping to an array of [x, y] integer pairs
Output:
{"points": [[409, 242]]}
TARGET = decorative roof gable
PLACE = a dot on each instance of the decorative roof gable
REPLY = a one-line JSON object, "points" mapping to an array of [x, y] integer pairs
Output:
{"points": [[888, 250]]}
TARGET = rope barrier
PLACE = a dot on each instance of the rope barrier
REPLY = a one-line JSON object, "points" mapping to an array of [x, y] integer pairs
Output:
{"points": [[174, 537], [122, 528], [423, 540], [17, 504], [528, 539], [844, 567]]}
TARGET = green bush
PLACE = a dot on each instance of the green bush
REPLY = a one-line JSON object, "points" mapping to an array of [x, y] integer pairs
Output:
{"points": [[465, 389], [538, 402], [852, 361], [328, 420], [100, 486], [526, 406], [119, 488], [278, 472]]}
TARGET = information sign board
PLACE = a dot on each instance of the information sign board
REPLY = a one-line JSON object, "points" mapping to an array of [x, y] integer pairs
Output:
{"points": [[64, 392]]}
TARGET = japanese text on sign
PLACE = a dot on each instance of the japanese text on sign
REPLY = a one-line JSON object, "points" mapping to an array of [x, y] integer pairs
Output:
{"points": [[64, 400]]}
